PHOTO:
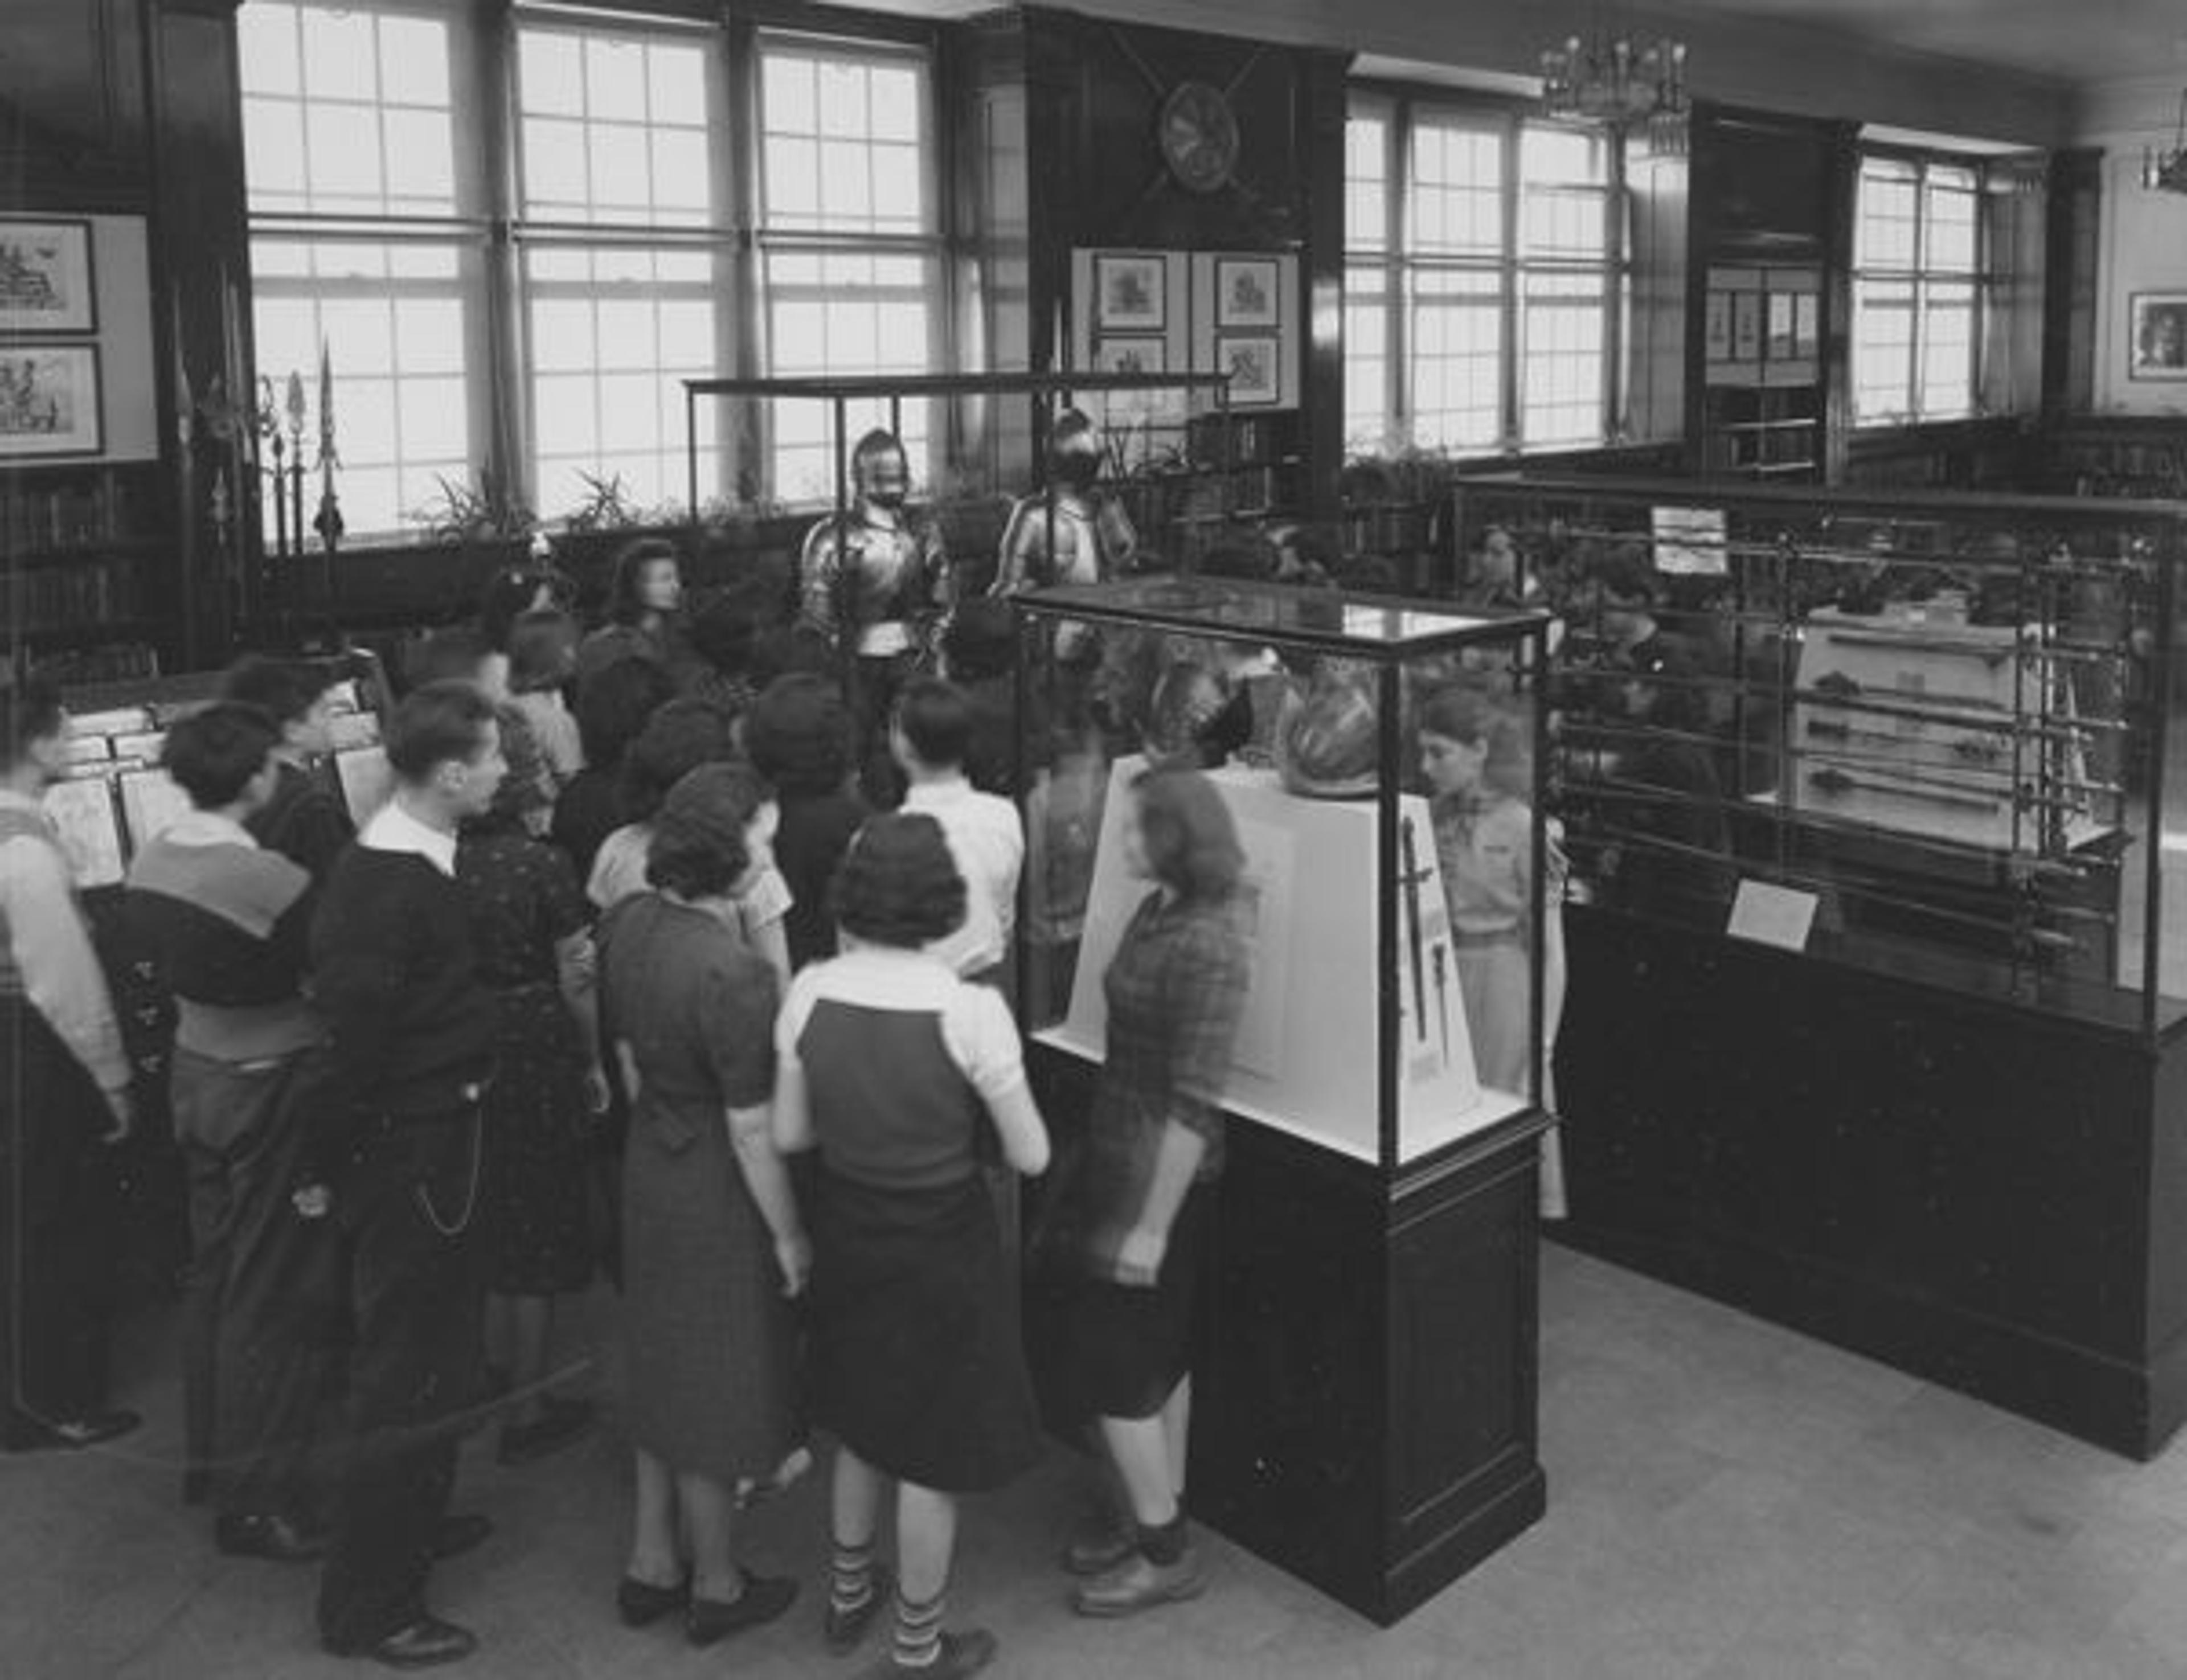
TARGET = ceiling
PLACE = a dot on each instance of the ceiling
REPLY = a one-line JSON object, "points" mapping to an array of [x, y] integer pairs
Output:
{"points": [[2072, 40]]}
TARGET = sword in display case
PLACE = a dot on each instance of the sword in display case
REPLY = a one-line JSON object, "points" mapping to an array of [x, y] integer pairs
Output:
{"points": [[1411, 876], [1442, 954]]}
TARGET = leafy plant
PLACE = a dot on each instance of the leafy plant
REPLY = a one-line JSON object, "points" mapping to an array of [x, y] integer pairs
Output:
{"points": [[606, 507], [484, 510]]}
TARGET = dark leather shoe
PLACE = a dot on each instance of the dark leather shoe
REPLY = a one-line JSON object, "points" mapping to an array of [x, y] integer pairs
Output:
{"points": [[1138, 1583], [961, 1654], [710, 1619], [640, 1604], [70, 1435], [426, 1642], [460, 1534], [277, 1539]]}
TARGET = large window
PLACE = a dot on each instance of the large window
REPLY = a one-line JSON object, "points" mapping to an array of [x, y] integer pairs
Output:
{"points": [[363, 244], [1918, 290], [626, 227], [534, 324], [849, 236], [1483, 274]]}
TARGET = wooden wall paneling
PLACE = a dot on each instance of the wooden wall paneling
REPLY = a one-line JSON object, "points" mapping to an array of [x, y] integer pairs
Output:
{"points": [[202, 266], [2070, 279], [1320, 123], [1840, 213], [72, 105]]}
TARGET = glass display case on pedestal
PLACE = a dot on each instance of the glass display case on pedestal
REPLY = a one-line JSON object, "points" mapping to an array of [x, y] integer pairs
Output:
{"points": [[1379, 762], [1939, 725], [1365, 1394]]}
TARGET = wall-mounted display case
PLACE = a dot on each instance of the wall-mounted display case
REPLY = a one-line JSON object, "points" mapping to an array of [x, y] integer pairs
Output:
{"points": [[1379, 759], [1873, 811]]}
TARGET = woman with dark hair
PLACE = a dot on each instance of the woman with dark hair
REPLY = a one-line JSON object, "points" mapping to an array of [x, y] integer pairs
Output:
{"points": [[798, 735], [612, 709], [678, 739], [645, 603], [543, 657], [888, 1064], [1123, 1228], [714, 1245], [1485, 846], [531, 931]]}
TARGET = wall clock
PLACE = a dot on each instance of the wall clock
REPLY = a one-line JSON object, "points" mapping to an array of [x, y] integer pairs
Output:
{"points": [[1199, 136]]}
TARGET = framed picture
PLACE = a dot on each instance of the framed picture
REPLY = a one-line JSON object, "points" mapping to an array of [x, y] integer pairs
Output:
{"points": [[1246, 292], [48, 400], [1131, 356], [45, 277], [1716, 335], [1747, 326], [1256, 372], [1130, 291], [2157, 342], [1807, 323]]}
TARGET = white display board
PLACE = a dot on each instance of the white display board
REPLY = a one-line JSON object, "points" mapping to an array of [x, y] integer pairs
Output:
{"points": [[1306, 1050], [1901, 725]]}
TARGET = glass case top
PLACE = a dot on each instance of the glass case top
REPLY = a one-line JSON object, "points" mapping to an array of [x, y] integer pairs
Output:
{"points": [[1316, 618]]}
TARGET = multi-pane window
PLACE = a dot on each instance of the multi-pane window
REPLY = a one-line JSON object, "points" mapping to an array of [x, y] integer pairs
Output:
{"points": [[610, 259], [625, 229], [849, 238], [360, 246], [1918, 290], [1481, 279]]}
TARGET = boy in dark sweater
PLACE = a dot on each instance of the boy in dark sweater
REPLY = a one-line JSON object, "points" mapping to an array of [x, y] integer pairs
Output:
{"points": [[393, 1160], [228, 921], [304, 819]]}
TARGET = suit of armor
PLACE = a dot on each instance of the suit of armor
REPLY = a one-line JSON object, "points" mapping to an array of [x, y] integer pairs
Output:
{"points": [[1062, 536], [1070, 533], [874, 580]]}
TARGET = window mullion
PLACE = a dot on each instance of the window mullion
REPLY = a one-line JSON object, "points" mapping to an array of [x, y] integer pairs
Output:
{"points": [[1511, 339]]}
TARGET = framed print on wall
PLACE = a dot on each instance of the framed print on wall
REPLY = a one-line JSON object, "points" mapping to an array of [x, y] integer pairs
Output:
{"points": [[2157, 344], [1130, 292], [46, 281], [49, 401], [1247, 292], [1256, 372]]}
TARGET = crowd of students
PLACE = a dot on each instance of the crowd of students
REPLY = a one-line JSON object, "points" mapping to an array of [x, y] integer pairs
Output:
{"points": [[650, 964]]}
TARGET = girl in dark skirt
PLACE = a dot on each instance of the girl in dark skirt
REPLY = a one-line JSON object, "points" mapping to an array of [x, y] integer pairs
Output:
{"points": [[532, 930], [887, 1063], [1123, 1226]]}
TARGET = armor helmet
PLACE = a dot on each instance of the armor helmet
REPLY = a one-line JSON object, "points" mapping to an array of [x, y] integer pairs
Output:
{"points": [[1325, 742], [1074, 453], [880, 472], [1187, 700]]}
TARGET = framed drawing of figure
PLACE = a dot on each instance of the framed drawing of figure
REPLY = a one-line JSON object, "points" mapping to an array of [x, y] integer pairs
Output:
{"points": [[48, 400], [1256, 374], [1247, 292], [46, 283], [1130, 291], [2157, 335]]}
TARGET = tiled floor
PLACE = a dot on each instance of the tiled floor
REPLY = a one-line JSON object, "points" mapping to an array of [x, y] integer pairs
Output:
{"points": [[1727, 1501]]}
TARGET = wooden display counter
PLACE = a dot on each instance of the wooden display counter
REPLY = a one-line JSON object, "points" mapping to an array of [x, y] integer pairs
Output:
{"points": [[1364, 1402], [1986, 1191]]}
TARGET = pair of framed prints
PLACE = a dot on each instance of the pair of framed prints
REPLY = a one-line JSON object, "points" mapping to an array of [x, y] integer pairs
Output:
{"points": [[49, 382]]}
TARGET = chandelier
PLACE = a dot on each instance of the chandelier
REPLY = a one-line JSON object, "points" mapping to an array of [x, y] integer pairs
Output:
{"points": [[2166, 171], [1617, 80]]}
